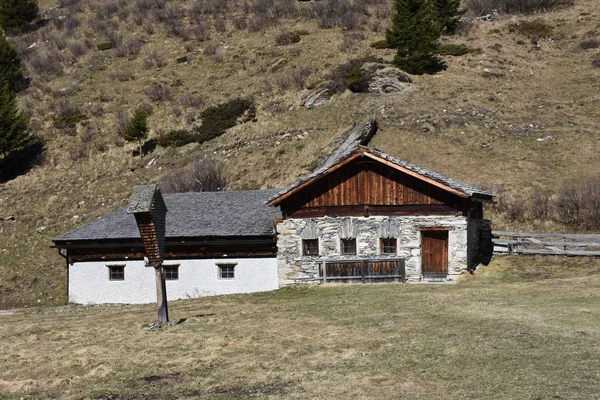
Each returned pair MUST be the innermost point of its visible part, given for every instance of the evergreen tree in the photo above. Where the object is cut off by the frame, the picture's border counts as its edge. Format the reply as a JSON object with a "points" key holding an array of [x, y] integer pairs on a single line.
{"points": [[16, 14], [137, 128], [10, 65], [414, 34], [448, 14], [14, 133]]}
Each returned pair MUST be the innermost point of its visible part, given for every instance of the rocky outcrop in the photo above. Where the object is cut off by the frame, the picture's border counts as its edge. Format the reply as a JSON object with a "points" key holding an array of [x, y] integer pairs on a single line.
{"points": [[317, 98], [383, 78]]}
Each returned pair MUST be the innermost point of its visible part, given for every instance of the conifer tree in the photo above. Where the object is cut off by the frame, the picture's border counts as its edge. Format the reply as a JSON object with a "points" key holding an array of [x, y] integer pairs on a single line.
{"points": [[448, 14], [414, 34], [137, 128], [14, 133], [16, 14], [10, 65]]}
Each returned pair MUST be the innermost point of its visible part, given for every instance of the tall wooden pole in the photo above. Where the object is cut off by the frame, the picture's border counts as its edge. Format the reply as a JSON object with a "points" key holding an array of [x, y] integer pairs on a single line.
{"points": [[161, 295]]}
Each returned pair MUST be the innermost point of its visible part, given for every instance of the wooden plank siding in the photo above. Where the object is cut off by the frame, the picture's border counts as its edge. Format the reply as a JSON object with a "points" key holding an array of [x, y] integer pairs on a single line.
{"points": [[367, 187]]}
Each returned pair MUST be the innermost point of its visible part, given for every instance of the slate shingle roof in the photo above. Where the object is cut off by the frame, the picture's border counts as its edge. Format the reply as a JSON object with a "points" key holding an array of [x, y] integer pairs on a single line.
{"points": [[204, 214], [142, 198]]}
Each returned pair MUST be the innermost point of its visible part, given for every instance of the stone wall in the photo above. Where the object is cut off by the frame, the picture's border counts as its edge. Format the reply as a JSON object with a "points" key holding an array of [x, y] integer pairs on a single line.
{"points": [[294, 268]]}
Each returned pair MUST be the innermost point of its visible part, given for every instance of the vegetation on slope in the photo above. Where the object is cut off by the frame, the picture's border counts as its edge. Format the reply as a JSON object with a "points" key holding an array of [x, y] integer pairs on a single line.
{"points": [[95, 62]]}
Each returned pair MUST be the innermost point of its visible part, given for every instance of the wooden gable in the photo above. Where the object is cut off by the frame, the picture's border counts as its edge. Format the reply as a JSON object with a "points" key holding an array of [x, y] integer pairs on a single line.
{"points": [[369, 186]]}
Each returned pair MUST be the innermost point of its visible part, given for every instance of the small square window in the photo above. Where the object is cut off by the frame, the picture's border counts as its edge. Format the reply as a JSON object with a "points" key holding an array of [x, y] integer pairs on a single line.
{"points": [[116, 272], [388, 245], [226, 271], [310, 247], [348, 246], [171, 272]]}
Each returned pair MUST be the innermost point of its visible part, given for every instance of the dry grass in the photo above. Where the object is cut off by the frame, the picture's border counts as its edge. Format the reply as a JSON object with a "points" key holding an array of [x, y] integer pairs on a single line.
{"points": [[494, 336], [463, 122]]}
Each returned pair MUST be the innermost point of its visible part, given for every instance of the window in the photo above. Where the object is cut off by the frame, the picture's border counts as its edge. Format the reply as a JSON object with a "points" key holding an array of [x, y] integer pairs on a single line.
{"points": [[388, 246], [226, 271], [171, 272], [310, 247], [116, 272], [348, 246]]}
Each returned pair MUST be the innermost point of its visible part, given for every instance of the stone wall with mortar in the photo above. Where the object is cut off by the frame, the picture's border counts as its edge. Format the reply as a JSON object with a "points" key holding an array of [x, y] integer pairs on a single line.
{"points": [[295, 268]]}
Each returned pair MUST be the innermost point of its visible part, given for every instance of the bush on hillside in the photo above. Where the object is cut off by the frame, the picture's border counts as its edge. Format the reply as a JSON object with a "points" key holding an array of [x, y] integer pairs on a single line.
{"points": [[15, 15], [482, 7], [204, 174], [176, 138], [452, 49], [216, 120]]}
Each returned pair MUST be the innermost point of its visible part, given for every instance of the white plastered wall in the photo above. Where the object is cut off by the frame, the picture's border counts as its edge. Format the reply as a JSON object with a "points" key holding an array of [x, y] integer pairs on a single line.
{"points": [[89, 281]]}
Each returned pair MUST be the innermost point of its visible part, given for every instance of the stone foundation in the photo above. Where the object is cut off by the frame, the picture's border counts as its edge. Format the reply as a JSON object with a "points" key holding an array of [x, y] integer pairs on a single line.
{"points": [[295, 268]]}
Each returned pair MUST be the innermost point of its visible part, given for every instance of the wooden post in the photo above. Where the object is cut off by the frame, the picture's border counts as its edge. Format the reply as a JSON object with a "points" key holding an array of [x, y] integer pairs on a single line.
{"points": [[564, 241], [324, 272], [161, 295]]}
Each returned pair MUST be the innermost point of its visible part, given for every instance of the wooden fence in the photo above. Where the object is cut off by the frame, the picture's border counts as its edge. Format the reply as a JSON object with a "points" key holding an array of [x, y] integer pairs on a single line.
{"points": [[363, 270], [546, 243]]}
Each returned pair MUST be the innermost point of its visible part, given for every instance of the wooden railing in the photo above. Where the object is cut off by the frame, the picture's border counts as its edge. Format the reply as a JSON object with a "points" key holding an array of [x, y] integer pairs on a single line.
{"points": [[363, 270], [546, 243]]}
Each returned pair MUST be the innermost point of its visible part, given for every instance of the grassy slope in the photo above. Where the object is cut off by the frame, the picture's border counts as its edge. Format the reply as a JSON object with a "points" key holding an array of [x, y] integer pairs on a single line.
{"points": [[477, 129], [522, 328]]}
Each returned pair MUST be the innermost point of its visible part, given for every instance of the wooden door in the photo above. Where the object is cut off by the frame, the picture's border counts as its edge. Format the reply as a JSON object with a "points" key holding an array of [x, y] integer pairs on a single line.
{"points": [[434, 254]]}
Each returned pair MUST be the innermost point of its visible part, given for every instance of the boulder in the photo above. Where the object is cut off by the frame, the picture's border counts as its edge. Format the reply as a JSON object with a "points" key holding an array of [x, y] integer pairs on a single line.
{"points": [[384, 78], [317, 98]]}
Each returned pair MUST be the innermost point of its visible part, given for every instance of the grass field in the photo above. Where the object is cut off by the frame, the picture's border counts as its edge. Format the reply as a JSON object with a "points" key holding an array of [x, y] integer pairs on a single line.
{"points": [[522, 328]]}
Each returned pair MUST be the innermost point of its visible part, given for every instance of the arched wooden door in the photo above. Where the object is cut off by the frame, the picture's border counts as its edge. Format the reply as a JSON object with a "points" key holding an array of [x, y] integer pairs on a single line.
{"points": [[434, 254]]}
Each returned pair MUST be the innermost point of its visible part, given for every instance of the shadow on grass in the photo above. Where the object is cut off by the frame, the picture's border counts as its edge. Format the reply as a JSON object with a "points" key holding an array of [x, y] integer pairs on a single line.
{"points": [[22, 161]]}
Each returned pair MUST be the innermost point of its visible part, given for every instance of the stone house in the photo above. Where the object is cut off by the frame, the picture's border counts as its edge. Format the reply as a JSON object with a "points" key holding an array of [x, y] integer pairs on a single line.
{"points": [[363, 216], [402, 221]]}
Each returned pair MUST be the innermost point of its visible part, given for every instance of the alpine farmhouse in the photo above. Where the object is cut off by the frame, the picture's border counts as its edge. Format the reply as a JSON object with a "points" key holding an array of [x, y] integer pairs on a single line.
{"points": [[362, 216]]}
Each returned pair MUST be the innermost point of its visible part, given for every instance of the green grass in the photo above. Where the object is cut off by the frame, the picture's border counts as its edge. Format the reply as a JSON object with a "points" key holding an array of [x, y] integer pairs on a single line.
{"points": [[493, 336]]}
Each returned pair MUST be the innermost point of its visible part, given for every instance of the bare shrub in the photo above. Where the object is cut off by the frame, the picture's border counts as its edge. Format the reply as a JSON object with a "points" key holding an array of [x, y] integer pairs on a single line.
{"points": [[350, 41], [149, 28], [77, 49], [121, 121], [204, 174], [122, 76], [285, 38], [154, 60], [211, 49], [189, 100], [589, 43], [48, 65], [258, 23], [201, 31], [130, 48], [220, 24], [67, 114], [579, 205], [539, 204], [71, 22], [482, 7], [158, 92], [375, 26], [240, 23]]}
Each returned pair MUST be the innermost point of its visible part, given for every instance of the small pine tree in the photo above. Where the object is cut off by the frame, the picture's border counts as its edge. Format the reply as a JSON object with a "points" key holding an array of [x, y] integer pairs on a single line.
{"points": [[10, 65], [16, 14], [414, 34], [137, 128], [448, 14], [14, 134]]}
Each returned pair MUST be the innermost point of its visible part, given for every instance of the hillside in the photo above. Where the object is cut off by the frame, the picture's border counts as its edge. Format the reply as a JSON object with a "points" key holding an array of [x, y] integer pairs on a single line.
{"points": [[479, 121]]}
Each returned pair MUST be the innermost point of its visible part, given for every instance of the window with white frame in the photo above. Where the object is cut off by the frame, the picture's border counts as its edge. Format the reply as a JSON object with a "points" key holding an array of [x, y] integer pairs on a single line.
{"points": [[388, 245]]}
